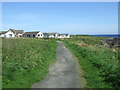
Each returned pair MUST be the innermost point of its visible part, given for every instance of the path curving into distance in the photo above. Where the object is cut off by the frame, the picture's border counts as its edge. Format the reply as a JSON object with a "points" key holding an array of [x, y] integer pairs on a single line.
{"points": [[63, 73]]}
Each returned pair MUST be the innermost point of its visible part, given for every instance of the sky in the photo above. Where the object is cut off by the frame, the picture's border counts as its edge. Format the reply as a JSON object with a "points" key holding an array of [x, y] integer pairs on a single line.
{"points": [[61, 17]]}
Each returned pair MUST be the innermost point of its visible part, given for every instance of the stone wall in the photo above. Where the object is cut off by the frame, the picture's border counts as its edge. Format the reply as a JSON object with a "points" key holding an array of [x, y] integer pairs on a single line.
{"points": [[111, 42]]}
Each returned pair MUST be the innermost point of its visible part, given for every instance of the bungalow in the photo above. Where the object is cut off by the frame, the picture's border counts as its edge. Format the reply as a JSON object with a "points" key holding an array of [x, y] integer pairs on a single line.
{"points": [[50, 35], [7, 34], [53, 35], [11, 33], [33, 34], [45, 35], [63, 36], [18, 33]]}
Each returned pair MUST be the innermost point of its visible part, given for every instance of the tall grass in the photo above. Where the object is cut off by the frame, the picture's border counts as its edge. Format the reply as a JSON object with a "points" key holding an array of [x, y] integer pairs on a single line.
{"points": [[26, 61], [99, 63]]}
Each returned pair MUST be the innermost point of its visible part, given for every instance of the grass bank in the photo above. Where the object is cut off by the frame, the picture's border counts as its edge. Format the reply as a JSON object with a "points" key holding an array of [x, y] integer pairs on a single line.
{"points": [[26, 61], [100, 64]]}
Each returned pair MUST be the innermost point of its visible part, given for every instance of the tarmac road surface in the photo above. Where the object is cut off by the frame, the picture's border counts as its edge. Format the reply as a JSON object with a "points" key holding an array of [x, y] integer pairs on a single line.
{"points": [[63, 73]]}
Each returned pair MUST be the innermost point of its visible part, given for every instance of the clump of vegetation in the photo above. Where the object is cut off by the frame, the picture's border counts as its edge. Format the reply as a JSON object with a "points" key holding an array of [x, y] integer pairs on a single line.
{"points": [[90, 40], [99, 63], [26, 61]]}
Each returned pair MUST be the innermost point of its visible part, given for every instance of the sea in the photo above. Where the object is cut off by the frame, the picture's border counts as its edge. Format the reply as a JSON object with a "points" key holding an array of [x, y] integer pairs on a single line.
{"points": [[108, 35]]}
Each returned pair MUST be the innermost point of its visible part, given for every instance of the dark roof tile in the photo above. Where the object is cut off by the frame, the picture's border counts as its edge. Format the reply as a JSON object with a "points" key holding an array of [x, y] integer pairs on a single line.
{"points": [[30, 33]]}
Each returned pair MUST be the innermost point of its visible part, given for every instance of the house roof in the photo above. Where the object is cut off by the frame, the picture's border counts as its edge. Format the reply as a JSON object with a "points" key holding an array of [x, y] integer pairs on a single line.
{"points": [[49, 33], [45, 33], [63, 34], [52, 33], [31, 33], [17, 31]]}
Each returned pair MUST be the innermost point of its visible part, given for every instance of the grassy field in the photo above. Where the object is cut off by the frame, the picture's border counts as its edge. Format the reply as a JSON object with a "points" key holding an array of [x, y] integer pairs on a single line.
{"points": [[26, 61], [100, 64]]}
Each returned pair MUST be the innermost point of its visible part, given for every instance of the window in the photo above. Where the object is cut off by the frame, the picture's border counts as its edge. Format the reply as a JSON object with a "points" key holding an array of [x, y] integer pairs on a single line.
{"points": [[33, 35], [41, 34], [10, 35], [38, 34]]}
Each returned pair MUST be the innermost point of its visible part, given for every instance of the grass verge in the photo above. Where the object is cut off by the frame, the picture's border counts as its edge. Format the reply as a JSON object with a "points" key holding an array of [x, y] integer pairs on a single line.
{"points": [[99, 64], [26, 61]]}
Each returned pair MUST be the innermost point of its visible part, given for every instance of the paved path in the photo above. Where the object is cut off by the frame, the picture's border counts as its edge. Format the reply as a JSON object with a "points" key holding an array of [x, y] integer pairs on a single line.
{"points": [[63, 73]]}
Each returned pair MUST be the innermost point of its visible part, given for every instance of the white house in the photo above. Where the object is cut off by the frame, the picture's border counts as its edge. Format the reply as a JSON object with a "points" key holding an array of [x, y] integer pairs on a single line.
{"points": [[53, 35], [45, 35], [36, 34], [63, 36], [18, 33], [11, 33], [7, 34], [39, 35]]}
